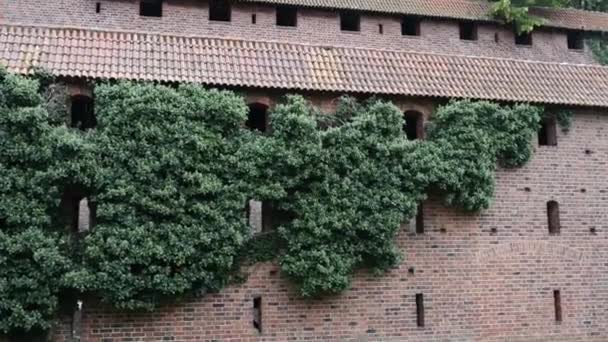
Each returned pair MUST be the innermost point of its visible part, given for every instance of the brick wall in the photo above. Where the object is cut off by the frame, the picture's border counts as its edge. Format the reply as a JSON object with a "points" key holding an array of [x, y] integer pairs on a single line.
{"points": [[485, 277], [314, 27]]}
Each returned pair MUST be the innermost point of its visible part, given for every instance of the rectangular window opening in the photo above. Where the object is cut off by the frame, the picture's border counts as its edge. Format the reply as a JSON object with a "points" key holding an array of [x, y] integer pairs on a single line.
{"points": [[287, 16], [557, 300], [420, 310], [576, 40], [257, 313], [273, 217], [220, 10], [523, 38], [254, 19], [553, 217], [350, 21], [151, 8], [414, 125], [547, 134], [98, 7], [410, 26], [468, 30], [380, 29]]}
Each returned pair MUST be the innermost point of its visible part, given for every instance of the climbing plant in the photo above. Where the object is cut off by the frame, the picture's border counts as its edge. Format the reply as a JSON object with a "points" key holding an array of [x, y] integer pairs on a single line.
{"points": [[172, 168], [516, 12]]}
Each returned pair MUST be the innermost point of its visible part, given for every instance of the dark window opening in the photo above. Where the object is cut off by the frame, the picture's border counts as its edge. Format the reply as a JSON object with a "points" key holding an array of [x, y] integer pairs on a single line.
{"points": [[79, 211], [576, 40], [413, 125], [523, 38], [273, 217], [468, 30], [557, 299], [98, 7], [420, 310], [380, 29], [83, 112], [257, 119], [257, 313], [254, 19], [420, 220], [151, 8], [547, 134], [287, 16], [350, 21], [553, 217], [219, 10], [410, 26]]}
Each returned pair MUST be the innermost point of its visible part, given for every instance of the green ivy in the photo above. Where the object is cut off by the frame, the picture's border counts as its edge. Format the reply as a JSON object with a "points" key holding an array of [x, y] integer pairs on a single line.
{"points": [[171, 169], [516, 12]]}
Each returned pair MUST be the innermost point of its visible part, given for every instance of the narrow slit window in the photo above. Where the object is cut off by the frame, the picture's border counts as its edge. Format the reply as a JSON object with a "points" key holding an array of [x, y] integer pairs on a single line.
{"points": [[380, 28], [257, 119], [151, 8], [287, 16], [83, 113], [468, 30], [420, 310], [414, 127], [547, 134], [350, 21], [220, 10], [420, 220], [257, 313], [523, 38], [410, 26], [557, 301], [98, 7], [553, 217], [254, 19], [576, 40]]}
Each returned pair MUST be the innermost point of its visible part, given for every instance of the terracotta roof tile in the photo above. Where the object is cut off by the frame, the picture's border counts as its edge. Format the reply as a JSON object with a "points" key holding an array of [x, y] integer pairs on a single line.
{"points": [[456, 9], [226, 62]]}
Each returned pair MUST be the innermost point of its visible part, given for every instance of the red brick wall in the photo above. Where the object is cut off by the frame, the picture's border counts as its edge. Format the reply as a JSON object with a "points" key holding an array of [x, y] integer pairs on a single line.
{"points": [[314, 27], [485, 277]]}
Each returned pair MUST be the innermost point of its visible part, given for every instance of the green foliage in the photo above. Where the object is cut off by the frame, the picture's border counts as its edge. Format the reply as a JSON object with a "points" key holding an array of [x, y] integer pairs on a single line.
{"points": [[170, 206], [564, 119], [171, 170], [517, 12], [33, 255]]}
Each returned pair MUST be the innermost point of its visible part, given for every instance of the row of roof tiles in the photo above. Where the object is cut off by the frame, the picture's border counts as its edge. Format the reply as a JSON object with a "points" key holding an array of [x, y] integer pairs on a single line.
{"points": [[227, 62], [456, 9]]}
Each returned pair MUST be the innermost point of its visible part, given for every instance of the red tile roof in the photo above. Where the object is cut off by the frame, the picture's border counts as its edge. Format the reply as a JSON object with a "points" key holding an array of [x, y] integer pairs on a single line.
{"points": [[456, 9], [229, 62]]}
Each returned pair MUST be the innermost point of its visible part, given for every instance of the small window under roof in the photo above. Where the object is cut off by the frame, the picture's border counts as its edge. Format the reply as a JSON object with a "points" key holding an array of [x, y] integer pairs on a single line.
{"points": [[468, 30], [410, 26], [350, 21], [151, 8], [220, 10], [523, 38], [287, 16], [576, 40]]}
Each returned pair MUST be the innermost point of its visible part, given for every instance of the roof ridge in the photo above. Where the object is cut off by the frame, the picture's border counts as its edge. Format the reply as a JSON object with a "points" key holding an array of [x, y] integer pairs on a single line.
{"points": [[236, 39]]}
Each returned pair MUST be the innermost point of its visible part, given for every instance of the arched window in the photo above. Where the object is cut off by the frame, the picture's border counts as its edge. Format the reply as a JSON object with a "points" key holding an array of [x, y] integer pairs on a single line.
{"points": [[258, 117], [413, 125], [83, 112]]}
